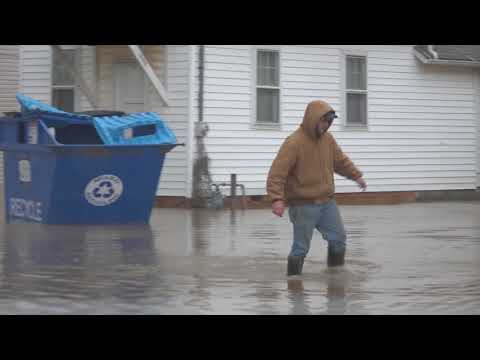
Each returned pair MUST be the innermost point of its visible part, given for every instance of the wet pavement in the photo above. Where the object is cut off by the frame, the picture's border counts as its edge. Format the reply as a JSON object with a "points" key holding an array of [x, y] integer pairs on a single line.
{"points": [[421, 258]]}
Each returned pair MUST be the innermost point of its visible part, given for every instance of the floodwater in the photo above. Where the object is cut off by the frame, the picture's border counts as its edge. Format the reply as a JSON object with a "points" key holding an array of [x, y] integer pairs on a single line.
{"points": [[421, 258]]}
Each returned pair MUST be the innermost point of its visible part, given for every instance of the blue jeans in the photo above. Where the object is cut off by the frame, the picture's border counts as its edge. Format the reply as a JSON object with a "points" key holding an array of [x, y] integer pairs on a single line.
{"points": [[323, 217]]}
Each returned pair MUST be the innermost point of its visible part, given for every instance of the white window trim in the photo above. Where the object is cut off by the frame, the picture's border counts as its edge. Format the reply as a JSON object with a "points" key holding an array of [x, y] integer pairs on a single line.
{"points": [[74, 86], [344, 90], [253, 119]]}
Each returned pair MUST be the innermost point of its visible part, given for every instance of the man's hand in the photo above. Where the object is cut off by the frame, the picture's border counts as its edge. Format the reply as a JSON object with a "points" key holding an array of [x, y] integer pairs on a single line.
{"points": [[361, 183], [278, 207]]}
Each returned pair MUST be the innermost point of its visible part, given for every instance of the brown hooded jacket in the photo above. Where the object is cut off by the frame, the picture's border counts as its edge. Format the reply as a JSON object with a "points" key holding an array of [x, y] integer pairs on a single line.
{"points": [[303, 169]]}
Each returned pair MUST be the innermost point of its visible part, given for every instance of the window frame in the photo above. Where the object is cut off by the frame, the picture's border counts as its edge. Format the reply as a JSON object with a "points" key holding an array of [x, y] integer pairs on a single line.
{"points": [[254, 54], [345, 91], [73, 87]]}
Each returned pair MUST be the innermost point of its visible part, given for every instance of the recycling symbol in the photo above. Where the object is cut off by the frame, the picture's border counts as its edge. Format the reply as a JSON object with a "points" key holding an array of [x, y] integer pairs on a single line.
{"points": [[103, 190]]}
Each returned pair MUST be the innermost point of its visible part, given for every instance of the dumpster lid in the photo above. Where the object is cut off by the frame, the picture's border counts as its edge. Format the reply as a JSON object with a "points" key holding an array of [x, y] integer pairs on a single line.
{"points": [[112, 130], [29, 104], [113, 127]]}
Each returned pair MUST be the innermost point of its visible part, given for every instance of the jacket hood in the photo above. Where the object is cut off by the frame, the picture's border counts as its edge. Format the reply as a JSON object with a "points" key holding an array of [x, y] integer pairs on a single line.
{"points": [[313, 113]]}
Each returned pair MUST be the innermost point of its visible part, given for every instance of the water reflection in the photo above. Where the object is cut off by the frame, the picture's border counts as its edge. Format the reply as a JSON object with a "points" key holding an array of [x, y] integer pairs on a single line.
{"points": [[201, 222], [77, 262], [234, 262], [297, 297], [31, 250], [337, 283], [325, 293]]}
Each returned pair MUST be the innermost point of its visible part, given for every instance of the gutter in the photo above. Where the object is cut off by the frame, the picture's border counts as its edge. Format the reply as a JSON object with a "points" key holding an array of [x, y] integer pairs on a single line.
{"points": [[436, 61], [432, 51]]}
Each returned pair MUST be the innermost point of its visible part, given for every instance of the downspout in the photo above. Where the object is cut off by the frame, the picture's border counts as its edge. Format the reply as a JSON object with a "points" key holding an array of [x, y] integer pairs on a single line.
{"points": [[202, 181], [432, 51], [201, 68]]}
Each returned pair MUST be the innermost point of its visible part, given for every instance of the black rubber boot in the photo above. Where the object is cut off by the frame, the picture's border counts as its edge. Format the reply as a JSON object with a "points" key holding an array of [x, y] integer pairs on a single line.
{"points": [[295, 265], [336, 258]]}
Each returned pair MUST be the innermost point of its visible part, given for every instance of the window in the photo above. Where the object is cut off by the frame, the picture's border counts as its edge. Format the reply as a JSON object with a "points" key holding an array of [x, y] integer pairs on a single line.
{"points": [[63, 83], [356, 90], [268, 87]]}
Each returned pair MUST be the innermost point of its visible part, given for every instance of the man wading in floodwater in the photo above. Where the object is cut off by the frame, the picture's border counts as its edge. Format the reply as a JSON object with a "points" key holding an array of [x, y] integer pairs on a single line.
{"points": [[302, 176]]}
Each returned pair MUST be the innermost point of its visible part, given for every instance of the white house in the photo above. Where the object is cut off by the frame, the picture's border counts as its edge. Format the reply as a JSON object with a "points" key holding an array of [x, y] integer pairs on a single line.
{"points": [[408, 115]]}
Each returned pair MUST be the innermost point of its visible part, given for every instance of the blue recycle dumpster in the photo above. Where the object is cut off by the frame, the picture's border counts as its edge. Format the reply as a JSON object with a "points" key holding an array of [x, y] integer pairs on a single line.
{"points": [[73, 177]]}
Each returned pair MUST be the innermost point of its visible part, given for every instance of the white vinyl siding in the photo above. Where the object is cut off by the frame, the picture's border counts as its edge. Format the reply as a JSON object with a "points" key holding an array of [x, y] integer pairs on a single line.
{"points": [[174, 180], [422, 119], [9, 85], [36, 72], [9, 77], [478, 127]]}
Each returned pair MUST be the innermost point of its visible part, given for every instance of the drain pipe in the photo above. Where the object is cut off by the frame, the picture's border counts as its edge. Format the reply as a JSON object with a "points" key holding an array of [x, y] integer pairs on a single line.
{"points": [[201, 69], [201, 128], [201, 174]]}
